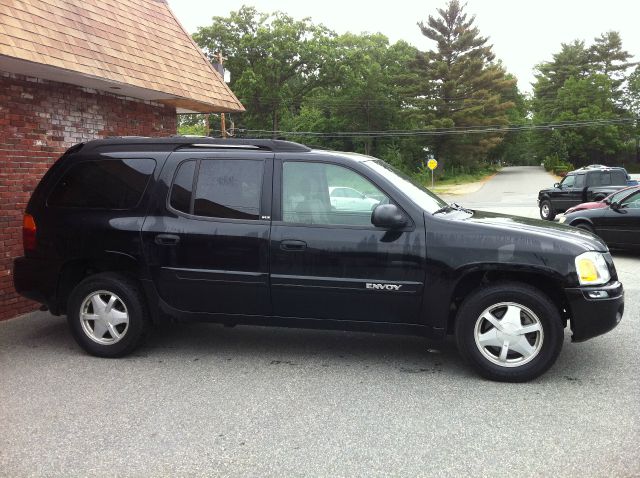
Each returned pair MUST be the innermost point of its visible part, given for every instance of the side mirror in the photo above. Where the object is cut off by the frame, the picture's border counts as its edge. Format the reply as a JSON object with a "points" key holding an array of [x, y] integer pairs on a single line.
{"points": [[557, 185], [388, 216]]}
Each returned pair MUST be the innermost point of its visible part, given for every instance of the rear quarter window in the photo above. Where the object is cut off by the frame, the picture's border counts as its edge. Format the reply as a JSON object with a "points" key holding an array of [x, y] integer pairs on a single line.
{"points": [[103, 184], [618, 178]]}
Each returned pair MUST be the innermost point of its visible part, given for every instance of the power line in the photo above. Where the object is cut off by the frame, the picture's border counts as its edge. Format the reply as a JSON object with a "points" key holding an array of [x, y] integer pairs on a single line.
{"points": [[443, 131]]}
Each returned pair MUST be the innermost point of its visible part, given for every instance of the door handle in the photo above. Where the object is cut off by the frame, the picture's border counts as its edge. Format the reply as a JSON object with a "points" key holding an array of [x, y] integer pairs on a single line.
{"points": [[293, 245], [167, 239]]}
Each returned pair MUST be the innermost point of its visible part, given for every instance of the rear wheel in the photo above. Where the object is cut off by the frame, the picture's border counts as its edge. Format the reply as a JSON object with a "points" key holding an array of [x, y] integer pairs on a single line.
{"points": [[107, 315], [509, 332], [546, 210]]}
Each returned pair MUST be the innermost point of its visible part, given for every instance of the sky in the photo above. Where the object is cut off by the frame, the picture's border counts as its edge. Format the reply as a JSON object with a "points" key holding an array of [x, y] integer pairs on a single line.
{"points": [[523, 33]]}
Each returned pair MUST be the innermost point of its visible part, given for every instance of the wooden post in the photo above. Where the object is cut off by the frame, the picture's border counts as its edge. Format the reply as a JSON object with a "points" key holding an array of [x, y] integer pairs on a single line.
{"points": [[223, 128]]}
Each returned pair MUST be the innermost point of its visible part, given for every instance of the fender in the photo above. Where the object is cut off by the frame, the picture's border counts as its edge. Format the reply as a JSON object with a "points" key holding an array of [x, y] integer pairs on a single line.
{"points": [[451, 289]]}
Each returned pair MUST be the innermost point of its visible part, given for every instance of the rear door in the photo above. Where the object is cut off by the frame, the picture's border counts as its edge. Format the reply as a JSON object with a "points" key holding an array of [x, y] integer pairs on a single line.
{"points": [[206, 238], [331, 263]]}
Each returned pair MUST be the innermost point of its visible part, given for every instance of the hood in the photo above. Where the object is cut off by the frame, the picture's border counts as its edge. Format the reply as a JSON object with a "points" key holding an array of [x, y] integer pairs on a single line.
{"points": [[548, 229], [586, 205]]}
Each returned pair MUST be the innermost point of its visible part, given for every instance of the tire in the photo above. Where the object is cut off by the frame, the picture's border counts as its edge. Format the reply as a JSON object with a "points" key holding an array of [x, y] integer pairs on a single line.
{"points": [[585, 227], [546, 211], [118, 329], [481, 343]]}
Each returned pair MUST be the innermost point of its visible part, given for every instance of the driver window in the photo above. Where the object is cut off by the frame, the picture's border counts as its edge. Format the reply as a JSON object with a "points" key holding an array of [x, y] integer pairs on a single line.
{"points": [[321, 193], [568, 181], [632, 202]]}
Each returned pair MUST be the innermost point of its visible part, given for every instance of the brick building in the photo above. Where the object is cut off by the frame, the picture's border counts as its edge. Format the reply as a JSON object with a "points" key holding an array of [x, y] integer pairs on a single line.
{"points": [[76, 70]]}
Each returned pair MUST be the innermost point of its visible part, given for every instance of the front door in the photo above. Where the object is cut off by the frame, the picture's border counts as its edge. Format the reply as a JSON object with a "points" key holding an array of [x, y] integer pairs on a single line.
{"points": [[330, 262], [571, 192], [206, 240], [621, 225]]}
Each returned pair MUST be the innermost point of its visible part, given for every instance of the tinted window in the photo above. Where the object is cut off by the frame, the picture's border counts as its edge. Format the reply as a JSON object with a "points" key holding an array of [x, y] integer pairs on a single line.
{"points": [[605, 179], [103, 184], [579, 181], [618, 177], [306, 198], [182, 186], [228, 189]]}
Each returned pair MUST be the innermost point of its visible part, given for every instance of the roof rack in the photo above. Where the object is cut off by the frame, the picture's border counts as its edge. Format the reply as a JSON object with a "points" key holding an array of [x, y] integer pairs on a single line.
{"points": [[173, 143], [275, 145]]}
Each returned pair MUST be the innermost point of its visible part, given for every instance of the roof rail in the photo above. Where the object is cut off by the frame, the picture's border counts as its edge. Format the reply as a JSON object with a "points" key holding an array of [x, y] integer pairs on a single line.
{"points": [[274, 145], [173, 143]]}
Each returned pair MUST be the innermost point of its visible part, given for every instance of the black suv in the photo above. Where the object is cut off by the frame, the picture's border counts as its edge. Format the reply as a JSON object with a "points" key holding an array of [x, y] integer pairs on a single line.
{"points": [[123, 233], [579, 186]]}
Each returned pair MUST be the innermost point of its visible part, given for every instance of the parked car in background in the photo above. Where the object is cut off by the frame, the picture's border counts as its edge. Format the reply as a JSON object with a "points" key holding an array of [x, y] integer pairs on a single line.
{"points": [[617, 223], [604, 202], [580, 186], [348, 199]]}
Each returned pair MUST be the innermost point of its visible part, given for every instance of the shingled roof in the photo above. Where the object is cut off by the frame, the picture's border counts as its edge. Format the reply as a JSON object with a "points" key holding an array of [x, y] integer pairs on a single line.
{"points": [[133, 48]]}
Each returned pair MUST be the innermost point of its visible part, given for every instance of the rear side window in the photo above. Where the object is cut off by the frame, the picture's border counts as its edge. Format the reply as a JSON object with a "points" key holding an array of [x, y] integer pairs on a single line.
{"points": [[103, 184], [618, 177], [182, 188], [228, 189]]}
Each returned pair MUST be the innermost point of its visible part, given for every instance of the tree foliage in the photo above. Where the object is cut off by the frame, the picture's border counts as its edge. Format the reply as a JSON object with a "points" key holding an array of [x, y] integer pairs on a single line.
{"points": [[302, 81], [274, 59], [588, 85], [460, 84]]}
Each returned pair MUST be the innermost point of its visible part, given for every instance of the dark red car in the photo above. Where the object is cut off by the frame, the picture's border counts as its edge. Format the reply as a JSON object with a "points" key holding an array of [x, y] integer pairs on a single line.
{"points": [[614, 197]]}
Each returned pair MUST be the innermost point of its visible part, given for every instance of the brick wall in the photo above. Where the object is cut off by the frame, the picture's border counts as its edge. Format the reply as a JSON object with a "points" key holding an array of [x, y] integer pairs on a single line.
{"points": [[38, 120]]}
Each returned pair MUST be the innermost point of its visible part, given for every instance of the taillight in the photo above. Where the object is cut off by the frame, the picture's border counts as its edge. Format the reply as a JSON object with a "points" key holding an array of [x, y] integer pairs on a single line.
{"points": [[28, 233]]}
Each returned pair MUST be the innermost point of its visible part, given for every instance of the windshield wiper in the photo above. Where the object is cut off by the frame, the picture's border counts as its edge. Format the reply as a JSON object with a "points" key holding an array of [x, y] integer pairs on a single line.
{"points": [[453, 206]]}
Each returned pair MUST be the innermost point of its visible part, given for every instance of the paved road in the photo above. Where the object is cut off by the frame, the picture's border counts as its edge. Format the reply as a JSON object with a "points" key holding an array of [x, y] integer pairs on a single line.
{"points": [[202, 400], [513, 190]]}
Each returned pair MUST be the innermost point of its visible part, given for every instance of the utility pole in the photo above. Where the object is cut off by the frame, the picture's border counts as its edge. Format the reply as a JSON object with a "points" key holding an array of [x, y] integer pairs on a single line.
{"points": [[223, 128]]}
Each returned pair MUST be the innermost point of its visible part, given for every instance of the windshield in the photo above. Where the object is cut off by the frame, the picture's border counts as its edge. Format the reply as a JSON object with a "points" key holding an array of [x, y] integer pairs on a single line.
{"points": [[617, 197], [414, 190]]}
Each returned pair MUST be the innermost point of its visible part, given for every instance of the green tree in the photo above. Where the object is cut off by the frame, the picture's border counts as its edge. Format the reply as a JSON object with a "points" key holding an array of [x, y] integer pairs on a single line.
{"points": [[632, 104], [516, 146], [572, 61], [608, 58], [584, 84], [459, 84], [274, 60], [362, 95]]}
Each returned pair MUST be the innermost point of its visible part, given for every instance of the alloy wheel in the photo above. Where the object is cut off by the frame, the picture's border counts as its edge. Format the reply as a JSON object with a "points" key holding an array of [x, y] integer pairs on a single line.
{"points": [[509, 334], [104, 317]]}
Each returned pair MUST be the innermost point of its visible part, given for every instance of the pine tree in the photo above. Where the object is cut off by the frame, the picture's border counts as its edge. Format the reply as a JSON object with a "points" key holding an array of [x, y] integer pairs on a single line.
{"points": [[460, 85]]}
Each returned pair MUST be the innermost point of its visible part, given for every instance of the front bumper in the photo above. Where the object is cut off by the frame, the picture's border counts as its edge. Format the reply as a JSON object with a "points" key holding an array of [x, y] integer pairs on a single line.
{"points": [[595, 310]]}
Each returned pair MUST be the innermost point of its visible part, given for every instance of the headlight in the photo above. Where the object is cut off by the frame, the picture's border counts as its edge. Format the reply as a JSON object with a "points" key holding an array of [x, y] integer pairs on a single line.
{"points": [[592, 269], [561, 219]]}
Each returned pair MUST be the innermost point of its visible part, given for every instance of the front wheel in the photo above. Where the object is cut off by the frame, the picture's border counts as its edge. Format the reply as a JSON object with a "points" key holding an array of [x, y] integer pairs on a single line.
{"points": [[107, 315], [509, 332], [586, 227], [546, 211]]}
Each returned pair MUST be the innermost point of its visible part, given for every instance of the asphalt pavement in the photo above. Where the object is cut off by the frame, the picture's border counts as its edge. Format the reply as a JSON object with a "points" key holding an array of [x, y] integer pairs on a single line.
{"points": [[204, 400]]}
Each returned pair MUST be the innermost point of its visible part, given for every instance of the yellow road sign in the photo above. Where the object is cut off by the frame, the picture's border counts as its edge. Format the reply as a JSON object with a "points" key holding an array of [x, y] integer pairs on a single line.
{"points": [[432, 164]]}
